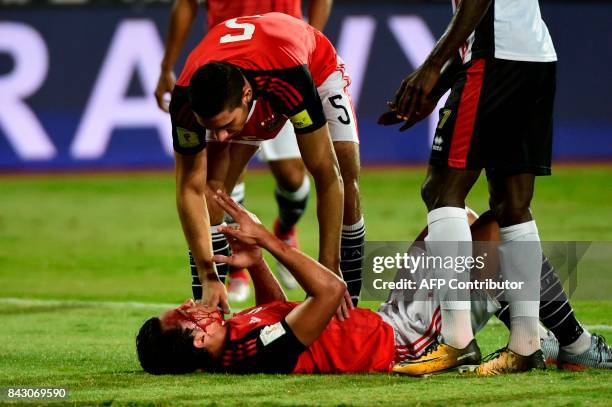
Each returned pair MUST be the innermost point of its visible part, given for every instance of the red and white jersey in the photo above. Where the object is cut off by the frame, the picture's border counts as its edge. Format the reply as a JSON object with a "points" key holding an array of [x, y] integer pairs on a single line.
{"points": [[283, 58], [217, 11], [259, 340]]}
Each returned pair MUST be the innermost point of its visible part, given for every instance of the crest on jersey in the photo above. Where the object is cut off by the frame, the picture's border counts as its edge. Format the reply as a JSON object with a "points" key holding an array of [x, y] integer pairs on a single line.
{"points": [[301, 120], [186, 138]]}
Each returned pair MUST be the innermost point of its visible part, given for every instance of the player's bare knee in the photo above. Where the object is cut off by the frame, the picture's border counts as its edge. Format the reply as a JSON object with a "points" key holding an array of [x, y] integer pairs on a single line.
{"points": [[511, 213], [429, 193], [289, 174]]}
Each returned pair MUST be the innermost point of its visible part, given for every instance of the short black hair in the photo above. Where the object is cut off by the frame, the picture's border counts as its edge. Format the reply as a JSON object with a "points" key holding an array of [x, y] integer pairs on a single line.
{"points": [[168, 351], [215, 87]]}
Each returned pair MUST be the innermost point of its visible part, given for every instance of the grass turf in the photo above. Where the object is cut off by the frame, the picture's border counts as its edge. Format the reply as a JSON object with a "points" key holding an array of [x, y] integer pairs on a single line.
{"points": [[96, 239]]}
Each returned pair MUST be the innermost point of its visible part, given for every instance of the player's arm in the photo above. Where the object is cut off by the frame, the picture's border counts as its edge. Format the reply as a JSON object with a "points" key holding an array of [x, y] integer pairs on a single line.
{"points": [[415, 89], [317, 150], [318, 13], [447, 78], [193, 212], [267, 287], [325, 290], [249, 256], [181, 18], [189, 142], [319, 158]]}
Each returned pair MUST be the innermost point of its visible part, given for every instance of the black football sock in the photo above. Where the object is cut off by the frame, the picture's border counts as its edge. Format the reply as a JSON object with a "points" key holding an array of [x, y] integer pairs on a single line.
{"points": [[291, 205], [556, 312], [196, 285], [351, 257], [220, 246]]}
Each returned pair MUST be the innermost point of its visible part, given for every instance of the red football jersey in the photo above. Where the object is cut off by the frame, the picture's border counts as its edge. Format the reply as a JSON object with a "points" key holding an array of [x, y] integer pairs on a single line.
{"points": [[218, 11], [265, 42], [363, 343], [283, 58]]}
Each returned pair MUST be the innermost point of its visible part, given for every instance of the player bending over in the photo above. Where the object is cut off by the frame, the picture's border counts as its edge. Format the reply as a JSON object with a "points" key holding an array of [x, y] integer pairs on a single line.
{"points": [[277, 336], [241, 85], [281, 153]]}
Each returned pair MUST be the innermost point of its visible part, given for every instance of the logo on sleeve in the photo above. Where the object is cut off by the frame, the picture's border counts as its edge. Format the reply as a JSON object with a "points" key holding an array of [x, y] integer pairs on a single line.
{"points": [[186, 138], [301, 120], [271, 333]]}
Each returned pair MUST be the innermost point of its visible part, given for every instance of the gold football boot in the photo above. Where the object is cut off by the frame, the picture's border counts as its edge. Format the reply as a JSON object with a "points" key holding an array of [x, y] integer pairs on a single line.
{"points": [[439, 358], [506, 361]]}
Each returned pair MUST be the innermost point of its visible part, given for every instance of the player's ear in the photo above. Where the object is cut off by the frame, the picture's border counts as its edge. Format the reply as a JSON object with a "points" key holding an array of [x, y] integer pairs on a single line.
{"points": [[247, 92], [198, 339]]}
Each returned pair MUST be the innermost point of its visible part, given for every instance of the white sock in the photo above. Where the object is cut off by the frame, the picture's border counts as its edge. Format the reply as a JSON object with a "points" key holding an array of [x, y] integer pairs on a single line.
{"points": [[450, 224], [453, 330], [238, 192], [580, 345], [521, 261], [524, 330]]}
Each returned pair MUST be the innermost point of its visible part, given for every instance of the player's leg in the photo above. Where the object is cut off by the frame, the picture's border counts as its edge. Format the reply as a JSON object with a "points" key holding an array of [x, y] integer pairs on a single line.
{"points": [[292, 190], [520, 257], [342, 124], [444, 192], [571, 346], [353, 226], [455, 164], [415, 317]]}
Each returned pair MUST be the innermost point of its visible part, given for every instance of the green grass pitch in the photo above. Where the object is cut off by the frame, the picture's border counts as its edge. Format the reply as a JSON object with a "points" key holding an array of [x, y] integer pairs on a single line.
{"points": [[84, 260]]}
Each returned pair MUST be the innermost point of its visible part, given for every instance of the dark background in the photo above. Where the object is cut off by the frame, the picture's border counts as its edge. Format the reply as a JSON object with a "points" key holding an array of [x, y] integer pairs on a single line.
{"points": [[79, 38]]}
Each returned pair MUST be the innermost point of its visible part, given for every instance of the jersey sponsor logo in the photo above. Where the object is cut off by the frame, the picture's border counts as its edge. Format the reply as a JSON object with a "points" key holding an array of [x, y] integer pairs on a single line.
{"points": [[271, 333], [301, 120], [186, 138]]}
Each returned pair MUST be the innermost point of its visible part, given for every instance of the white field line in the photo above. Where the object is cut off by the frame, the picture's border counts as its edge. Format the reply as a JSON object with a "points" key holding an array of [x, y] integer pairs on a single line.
{"points": [[29, 302]]}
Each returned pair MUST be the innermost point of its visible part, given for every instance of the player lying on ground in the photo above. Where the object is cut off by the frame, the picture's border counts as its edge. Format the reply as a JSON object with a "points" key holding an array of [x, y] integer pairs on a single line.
{"points": [[277, 336], [245, 80]]}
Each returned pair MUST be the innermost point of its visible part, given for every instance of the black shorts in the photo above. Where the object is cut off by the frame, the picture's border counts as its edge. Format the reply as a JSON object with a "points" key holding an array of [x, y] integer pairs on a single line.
{"points": [[498, 116]]}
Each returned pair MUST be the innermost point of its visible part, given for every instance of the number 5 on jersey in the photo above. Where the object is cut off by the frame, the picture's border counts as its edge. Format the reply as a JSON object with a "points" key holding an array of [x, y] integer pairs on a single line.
{"points": [[248, 30]]}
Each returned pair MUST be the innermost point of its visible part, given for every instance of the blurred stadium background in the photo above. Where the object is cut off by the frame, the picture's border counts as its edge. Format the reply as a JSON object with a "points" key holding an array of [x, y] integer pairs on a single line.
{"points": [[77, 79], [90, 243]]}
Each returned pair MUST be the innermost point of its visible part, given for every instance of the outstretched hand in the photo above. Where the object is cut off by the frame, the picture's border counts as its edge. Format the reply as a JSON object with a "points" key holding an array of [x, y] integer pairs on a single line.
{"points": [[243, 255], [249, 231], [391, 117], [412, 100]]}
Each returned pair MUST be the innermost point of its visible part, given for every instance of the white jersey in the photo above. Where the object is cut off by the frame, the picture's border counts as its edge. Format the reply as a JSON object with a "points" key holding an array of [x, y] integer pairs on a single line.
{"points": [[416, 318], [512, 30]]}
